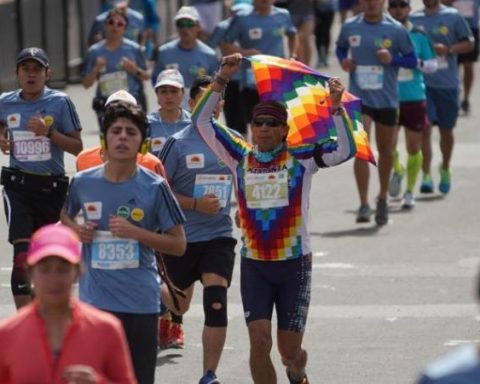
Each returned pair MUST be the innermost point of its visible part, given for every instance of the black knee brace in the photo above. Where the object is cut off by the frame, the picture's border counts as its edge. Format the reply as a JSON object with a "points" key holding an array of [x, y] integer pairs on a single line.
{"points": [[19, 280], [212, 297]]}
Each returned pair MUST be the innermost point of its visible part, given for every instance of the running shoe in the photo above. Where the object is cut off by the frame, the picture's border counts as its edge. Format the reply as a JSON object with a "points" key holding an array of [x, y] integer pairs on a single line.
{"points": [[445, 181], [381, 214], [427, 184], [465, 106], [364, 213], [408, 201], [396, 183], [176, 337], [209, 378], [164, 326], [304, 380]]}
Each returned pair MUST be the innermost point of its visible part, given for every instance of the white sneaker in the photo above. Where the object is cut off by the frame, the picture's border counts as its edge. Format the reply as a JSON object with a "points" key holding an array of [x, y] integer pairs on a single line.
{"points": [[408, 201], [396, 183]]}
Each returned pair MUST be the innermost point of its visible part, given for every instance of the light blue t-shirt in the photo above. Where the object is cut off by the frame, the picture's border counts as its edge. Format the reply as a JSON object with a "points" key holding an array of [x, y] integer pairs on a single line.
{"points": [[161, 130], [121, 275], [193, 170], [460, 366], [133, 31], [376, 84], [31, 153], [217, 36], [114, 77], [411, 84], [218, 33], [192, 63], [446, 27], [469, 10], [264, 33], [468, 376]]}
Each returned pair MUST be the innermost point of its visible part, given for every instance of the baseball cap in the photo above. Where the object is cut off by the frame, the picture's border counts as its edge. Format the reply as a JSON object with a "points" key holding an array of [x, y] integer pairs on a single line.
{"points": [[121, 95], [170, 77], [33, 53], [54, 240], [187, 12]]}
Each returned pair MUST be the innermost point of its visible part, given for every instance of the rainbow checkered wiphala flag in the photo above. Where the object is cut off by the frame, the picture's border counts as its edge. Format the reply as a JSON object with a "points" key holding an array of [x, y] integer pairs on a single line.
{"points": [[305, 93]]}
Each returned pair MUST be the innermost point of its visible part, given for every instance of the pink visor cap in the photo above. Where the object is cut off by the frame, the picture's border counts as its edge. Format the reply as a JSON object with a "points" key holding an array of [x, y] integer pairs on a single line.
{"points": [[54, 240]]}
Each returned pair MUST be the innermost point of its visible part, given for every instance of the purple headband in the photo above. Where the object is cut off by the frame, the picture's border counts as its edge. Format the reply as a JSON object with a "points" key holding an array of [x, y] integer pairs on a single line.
{"points": [[271, 108]]}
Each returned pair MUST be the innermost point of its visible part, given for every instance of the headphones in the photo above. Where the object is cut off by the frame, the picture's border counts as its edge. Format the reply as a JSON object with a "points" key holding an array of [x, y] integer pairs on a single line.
{"points": [[144, 147]]}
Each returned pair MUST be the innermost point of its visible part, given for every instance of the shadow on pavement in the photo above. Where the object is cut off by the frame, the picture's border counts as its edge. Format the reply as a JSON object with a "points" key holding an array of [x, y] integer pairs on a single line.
{"points": [[361, 231], [169, 358]]}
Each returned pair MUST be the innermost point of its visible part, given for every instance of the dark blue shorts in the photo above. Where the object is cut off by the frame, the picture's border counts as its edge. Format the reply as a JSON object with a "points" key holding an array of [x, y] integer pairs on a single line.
{"points": [[442, 107], [283, 284]]}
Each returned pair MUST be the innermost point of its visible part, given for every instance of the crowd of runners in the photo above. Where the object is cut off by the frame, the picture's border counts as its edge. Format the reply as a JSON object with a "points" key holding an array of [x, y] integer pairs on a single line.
{"points": [[151, 204]]}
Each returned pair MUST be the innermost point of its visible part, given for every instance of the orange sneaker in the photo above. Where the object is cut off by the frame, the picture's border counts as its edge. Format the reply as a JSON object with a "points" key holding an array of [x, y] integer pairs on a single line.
{"points": [[176, 337], [164, 330]]}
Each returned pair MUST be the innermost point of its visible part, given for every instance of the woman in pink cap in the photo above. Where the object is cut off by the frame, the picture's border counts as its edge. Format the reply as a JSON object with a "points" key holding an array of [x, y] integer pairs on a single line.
{"points": [[56, 338]]}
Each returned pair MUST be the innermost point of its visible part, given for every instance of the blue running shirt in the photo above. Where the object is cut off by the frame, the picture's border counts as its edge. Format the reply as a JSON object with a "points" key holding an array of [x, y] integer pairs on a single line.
{"points": [[114, 77], [376, 84], [31, 153], [161, 130], [121, 274], [446, 27], [264, 33], [194, 170], [192, 63]]}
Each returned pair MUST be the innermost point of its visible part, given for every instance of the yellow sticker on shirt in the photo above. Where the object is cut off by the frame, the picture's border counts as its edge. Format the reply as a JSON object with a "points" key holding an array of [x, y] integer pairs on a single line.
{"points": [[137, 214], [48, 120]]}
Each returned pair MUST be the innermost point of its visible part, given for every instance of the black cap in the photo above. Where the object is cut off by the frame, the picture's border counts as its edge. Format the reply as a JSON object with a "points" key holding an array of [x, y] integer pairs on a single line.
{"points": [[33, 53]]}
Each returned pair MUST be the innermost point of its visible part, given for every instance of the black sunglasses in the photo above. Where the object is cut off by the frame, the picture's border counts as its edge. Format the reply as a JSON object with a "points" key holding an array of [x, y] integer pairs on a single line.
{"points": [[269, 122], [185, 23], [398, 4]]}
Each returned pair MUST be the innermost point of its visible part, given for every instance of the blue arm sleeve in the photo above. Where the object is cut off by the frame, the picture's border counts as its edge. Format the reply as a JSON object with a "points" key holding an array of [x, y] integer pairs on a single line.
{"points": [[407, 61], [341, 53]]}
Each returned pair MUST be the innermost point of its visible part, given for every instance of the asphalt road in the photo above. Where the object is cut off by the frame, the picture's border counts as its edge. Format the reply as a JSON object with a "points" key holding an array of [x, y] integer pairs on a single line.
{"points": [[385, 301]]}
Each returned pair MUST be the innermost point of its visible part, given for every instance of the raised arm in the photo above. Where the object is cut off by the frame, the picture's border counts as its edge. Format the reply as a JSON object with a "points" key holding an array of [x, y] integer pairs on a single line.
{"points": [[346, 148], [227, 145]]}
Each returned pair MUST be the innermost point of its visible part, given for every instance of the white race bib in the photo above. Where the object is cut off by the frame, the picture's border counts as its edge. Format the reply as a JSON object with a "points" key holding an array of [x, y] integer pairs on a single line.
{"points": [[267, 190], [405, 74], [369, 77], [113, 82], [29, 147], [220, 185], [110, 252], [442, 62]]}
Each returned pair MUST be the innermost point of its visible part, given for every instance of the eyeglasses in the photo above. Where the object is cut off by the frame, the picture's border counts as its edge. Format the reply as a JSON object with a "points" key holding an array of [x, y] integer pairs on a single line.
{"points": [[185, 23], [119, 24], [398, 4], [269, 122]]}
